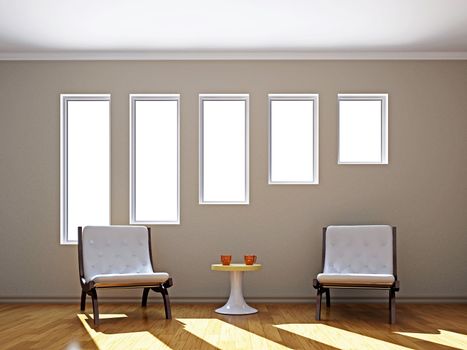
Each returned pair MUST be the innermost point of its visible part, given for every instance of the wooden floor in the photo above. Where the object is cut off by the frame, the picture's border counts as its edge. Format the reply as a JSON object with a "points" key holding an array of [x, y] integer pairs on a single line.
{"points": [[276, 326]]}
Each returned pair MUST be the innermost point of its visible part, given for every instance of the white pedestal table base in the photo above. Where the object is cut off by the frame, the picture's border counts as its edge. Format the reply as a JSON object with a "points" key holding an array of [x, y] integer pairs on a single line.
{"points": [[236, 304]]}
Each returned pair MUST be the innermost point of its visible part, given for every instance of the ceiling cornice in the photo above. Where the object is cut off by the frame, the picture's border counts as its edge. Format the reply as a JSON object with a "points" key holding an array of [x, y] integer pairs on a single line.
{"points": [[226, 55]]}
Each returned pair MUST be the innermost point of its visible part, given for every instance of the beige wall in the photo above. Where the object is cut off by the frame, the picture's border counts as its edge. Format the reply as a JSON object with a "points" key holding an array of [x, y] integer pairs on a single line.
{"points": [[423, 190]]}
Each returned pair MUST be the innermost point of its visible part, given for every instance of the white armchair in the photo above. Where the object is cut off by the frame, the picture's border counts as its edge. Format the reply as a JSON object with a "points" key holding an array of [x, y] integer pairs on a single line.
{"points": [[361, 256], [118, 256]]}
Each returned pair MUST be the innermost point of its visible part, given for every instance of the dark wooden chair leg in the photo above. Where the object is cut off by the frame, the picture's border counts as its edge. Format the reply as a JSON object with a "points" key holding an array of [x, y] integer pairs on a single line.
{"points": [[83, 300], [165, 296], [144, 301], [392, 306], [319, 294], [389, 304], [328, 297], [95, 307]]}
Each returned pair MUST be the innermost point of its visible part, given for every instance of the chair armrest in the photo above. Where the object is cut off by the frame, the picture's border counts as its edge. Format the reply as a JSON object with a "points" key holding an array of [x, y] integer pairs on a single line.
{"points": [[87, 286], [169, 283]]}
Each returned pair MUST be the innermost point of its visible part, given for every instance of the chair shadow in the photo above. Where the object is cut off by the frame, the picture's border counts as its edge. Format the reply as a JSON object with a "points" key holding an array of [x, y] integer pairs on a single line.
{"points": [[147, 328], [373, 321]]}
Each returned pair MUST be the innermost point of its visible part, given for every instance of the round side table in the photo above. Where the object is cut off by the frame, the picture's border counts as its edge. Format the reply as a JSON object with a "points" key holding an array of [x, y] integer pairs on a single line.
{"points": [[236, 304]]}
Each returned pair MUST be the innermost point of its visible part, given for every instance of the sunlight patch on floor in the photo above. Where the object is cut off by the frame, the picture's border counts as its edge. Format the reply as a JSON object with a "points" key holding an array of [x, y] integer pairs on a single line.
{"points": [[123, 341], [451, 339], [338, 338], [109, 316], [223, 335]]}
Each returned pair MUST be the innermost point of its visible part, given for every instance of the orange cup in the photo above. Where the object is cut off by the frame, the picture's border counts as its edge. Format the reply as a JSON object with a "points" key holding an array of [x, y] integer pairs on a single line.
{"points": [[250, 259], [226, 259]]}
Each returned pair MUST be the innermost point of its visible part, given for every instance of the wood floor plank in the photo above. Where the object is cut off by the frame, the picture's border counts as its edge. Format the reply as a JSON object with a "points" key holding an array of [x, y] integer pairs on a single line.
{"points": [[197, 326]]}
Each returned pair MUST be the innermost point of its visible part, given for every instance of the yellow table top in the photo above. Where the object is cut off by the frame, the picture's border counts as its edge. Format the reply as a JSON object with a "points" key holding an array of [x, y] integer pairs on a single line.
{"points": [[236, 267]]}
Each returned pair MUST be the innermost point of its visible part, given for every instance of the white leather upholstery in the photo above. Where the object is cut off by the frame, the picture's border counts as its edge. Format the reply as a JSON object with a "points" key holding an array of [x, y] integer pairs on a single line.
{"points": [[358, 250], [130, 279], [113, 254], [355, 279]]}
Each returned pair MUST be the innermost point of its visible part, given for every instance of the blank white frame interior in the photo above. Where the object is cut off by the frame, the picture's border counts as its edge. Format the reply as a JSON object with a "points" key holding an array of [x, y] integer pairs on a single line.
{"points": [[293, 139], [363, 129], [84, 163], [155, 159], [224, 149]]}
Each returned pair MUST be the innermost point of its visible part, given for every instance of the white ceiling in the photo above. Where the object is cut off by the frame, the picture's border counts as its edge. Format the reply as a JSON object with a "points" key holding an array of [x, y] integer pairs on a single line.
{"points": [[178, 29]]}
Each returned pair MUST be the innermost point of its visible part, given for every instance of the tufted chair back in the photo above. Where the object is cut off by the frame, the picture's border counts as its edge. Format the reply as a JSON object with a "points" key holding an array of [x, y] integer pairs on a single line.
{"points": [[366, 249], [115, 250]]}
